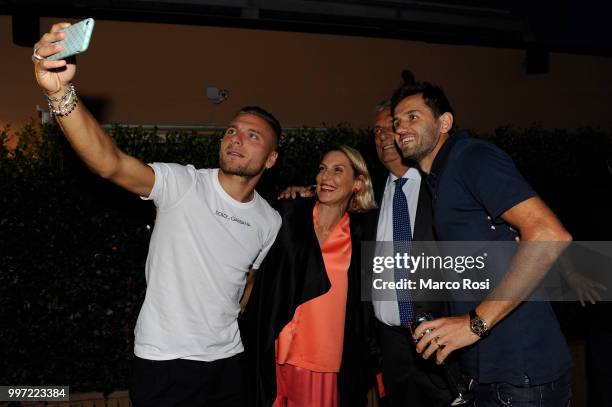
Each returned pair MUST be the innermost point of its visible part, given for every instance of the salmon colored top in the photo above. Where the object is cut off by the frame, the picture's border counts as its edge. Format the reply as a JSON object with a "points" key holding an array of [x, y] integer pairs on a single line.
{"points": [[314, 338]]}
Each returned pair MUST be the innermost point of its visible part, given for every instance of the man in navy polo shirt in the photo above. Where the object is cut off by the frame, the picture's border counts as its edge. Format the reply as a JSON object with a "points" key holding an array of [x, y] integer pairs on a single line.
{"points": [[512, 349]]}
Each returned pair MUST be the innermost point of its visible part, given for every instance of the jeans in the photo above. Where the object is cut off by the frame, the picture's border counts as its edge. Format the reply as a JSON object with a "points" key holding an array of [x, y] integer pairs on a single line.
{"points": [[557, 393]]}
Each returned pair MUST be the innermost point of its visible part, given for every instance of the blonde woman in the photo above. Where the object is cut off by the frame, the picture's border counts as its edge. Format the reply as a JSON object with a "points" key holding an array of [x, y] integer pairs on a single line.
{"points": [[302, 328]]}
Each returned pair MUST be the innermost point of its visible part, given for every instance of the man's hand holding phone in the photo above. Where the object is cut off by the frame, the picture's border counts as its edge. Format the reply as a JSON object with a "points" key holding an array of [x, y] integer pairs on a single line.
{"points": [[53, 77]]}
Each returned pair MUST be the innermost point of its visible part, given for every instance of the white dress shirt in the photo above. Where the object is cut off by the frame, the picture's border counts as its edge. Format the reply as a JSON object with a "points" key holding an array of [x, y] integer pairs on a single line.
{"points": [[388, 311]]}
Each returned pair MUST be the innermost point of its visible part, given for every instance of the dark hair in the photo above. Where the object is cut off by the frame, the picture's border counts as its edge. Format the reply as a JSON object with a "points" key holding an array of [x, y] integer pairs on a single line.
{"points": [[267, 117], [433, 95]]}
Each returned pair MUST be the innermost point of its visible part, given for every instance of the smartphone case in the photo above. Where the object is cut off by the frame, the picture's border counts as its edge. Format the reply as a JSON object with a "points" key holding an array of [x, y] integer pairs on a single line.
{"points": [[76, 41]]}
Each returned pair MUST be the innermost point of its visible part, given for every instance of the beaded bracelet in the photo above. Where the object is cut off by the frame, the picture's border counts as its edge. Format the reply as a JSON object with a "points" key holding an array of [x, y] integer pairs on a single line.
{"points": [[65, 104]]}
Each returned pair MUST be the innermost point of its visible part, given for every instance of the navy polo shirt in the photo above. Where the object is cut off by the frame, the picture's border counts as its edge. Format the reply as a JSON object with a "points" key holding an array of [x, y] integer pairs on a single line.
{"points": [[473, 183]]}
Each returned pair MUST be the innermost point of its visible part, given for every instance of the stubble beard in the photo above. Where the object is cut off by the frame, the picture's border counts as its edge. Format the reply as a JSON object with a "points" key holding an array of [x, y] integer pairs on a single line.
{"points": [[240, 170], [420, 151], [413, 154]]}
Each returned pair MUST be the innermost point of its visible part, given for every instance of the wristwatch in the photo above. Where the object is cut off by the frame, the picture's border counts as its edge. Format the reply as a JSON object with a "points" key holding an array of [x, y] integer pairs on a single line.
{"points": [[478, 325]]}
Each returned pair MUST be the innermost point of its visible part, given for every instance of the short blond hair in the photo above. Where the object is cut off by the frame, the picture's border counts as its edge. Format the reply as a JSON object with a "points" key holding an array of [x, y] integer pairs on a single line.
{"points": [[362, 200]]}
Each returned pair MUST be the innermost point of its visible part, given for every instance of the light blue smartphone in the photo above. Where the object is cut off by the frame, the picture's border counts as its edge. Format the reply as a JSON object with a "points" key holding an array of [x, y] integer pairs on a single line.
{"points": [[76, 40]]}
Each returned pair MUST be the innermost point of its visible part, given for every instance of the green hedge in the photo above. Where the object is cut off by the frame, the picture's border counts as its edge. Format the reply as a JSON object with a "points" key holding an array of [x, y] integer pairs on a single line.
{"points": [[74, 245]]}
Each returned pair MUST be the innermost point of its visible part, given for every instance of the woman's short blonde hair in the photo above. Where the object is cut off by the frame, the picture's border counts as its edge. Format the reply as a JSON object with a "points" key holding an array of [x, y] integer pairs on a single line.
{"points": [[362, 200]]}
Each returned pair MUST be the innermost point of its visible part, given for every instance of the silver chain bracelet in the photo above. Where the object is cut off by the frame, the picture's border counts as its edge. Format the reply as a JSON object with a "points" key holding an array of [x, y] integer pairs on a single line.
{"points": [[65, 104]]}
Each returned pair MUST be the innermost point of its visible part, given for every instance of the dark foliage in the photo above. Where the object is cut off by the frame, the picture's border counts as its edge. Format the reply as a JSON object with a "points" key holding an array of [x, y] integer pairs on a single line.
{"points": [[74, 245]]}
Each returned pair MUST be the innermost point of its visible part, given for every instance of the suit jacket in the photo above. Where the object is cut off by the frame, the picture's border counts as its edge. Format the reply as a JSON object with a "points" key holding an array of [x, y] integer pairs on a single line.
{"points": [[292, 273], [427, 387], [423, 225]]}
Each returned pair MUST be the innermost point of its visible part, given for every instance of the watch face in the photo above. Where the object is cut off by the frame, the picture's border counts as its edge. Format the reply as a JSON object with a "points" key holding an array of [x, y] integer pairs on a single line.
{"points": [[478, 326]]}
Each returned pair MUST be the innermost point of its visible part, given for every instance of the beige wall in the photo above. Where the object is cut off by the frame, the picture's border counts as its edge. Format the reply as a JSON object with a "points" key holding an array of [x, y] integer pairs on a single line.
{"points": [[157, 74]]}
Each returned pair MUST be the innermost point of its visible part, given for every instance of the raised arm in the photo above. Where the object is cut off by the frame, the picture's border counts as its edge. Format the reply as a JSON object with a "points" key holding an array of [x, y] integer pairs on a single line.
{"points": [[84, 133]]}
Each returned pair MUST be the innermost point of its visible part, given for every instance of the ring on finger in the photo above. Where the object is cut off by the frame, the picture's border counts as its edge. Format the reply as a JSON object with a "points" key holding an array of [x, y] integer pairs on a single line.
{"points": [[35, 56], [425, 332]]}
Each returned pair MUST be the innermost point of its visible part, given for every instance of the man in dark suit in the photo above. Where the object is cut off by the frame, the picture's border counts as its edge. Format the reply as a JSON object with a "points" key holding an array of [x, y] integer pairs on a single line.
{"points": [[407, 380]]}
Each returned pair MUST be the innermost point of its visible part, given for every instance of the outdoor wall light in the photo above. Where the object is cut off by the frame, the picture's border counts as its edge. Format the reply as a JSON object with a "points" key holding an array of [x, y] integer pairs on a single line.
{"points": [[216, 95]]}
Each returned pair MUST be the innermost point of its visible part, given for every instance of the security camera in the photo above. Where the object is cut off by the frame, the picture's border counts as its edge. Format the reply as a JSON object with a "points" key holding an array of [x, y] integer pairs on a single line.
{"points": [[216, 95]]}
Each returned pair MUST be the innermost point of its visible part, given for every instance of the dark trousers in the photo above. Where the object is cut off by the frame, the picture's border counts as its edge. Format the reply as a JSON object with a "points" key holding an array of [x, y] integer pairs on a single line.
{"points": [[599, 354], [188, 383], [408, 379], [557, 393]]}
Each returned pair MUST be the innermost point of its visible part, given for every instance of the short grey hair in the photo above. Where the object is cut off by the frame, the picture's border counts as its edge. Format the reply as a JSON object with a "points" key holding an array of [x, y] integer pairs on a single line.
{"points": [[382, 105]]}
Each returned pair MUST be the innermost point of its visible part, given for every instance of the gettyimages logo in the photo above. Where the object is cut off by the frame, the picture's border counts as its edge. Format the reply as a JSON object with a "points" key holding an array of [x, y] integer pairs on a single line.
{"points": [[412, 264], [475, 270], [424, 263]]}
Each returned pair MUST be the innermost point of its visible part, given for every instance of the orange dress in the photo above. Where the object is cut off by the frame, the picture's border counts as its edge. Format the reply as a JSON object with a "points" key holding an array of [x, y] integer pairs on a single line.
{"points": [[314, 338]]}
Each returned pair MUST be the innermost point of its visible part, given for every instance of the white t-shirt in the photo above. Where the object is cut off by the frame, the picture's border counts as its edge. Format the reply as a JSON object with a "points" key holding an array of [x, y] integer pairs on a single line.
{"points": [[203, 243]]}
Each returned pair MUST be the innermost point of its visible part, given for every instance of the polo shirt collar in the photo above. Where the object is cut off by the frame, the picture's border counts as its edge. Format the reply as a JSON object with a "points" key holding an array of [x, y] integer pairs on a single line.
{"points": [[440, 161]]}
